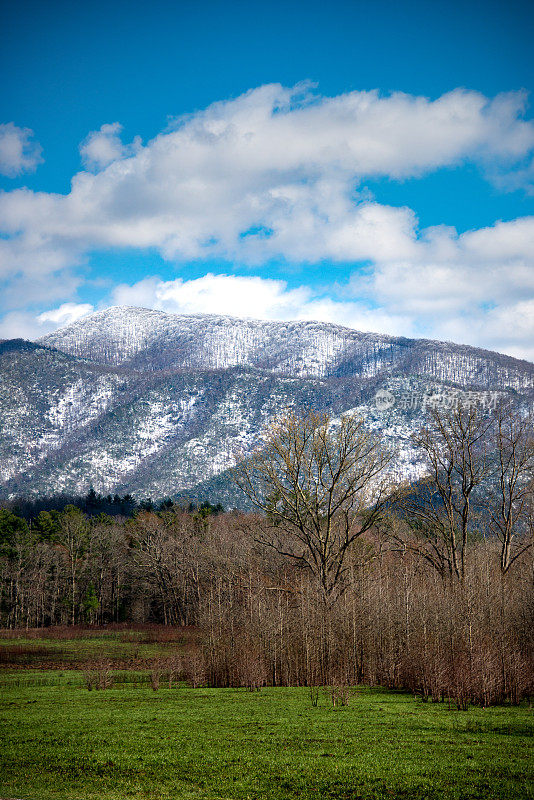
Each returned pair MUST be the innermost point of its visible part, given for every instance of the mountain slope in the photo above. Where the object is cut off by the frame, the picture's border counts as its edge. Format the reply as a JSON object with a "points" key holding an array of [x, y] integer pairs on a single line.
{"points": [[131, 400], [153, 340]]}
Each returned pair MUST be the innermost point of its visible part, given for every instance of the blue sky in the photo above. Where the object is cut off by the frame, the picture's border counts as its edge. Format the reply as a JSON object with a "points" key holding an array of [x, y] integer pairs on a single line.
{"points": [[364, 163]]}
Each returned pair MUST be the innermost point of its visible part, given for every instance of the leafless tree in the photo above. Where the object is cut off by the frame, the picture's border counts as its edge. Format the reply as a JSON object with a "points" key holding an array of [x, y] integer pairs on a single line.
{"points": [[74, 541], [510, 498], [439, 510], [321, 484]]}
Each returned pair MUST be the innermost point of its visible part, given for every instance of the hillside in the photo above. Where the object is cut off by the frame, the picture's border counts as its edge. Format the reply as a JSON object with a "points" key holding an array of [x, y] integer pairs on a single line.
{"points": [[156, 404]]}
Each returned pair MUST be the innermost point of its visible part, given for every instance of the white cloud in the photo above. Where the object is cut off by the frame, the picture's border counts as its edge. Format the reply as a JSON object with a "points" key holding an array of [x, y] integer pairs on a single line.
{"points": [[254, 298], [66, 313], [102, 147], [475, 288], [279, 173], [18, 152], [451, 273], [21, 325], [32, 290], [25, 325], [508, 328], [271, 173], [513, 326]]}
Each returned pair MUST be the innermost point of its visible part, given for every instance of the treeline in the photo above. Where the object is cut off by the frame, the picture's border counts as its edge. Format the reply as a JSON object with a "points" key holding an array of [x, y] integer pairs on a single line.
{"points": [[93, 504], [66, 567], [263, 618]]}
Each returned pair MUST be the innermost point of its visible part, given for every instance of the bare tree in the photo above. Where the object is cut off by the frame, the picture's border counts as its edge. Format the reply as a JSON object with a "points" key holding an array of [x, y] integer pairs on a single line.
{"points": [[158, 546], [322, 486], [439, 510], [74, 541], [510, 501]]}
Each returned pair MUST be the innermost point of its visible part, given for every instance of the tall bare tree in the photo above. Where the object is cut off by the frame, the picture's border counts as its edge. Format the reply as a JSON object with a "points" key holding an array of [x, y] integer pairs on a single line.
{"points": [[73, 539], [321, 483], [510, 500], [440, 510]]}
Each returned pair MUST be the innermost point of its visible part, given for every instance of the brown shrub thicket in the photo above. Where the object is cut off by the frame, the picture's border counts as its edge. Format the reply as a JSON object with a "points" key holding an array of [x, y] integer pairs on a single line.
{"points": [[399, 624]]}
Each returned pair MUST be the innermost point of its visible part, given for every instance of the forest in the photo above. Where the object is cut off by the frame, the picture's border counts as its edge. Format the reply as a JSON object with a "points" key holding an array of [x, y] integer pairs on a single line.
{"points": [[338, 579]]}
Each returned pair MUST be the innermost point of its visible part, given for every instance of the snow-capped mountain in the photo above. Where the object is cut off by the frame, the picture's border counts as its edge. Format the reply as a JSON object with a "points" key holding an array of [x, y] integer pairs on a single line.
{"points": [[159, 404], [154, 340]]}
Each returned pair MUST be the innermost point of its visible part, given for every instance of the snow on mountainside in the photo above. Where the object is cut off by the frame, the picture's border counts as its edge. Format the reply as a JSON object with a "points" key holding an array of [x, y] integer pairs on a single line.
{"points": [[159, 404], [154, 340]]}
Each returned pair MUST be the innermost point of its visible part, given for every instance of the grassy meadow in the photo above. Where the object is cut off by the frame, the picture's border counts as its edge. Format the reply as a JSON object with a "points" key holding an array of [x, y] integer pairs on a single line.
{"points": [[63, 742]]}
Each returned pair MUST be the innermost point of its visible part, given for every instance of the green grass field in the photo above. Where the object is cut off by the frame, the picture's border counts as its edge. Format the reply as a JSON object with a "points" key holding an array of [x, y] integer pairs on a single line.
{"points": [[64, 650], [61, 741]]}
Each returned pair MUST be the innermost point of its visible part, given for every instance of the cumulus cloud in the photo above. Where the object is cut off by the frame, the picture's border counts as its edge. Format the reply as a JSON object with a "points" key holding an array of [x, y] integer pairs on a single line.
{"points": [[18, 150], [25, 325], [272, 173], [233, 295], [280, 173], [448, 273], [102, 147], [253, 297], [66, 313], [38, 289], [473, 288], [511, 328]]}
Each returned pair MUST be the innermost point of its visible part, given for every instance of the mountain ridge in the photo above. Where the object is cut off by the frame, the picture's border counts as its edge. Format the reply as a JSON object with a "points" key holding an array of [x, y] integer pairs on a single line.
{"points": [[189, 393], [144, 339], [255, 321]]}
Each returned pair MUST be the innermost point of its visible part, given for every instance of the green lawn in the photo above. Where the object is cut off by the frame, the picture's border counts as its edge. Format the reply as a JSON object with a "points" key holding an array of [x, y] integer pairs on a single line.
{"points": [[61, 741]]}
